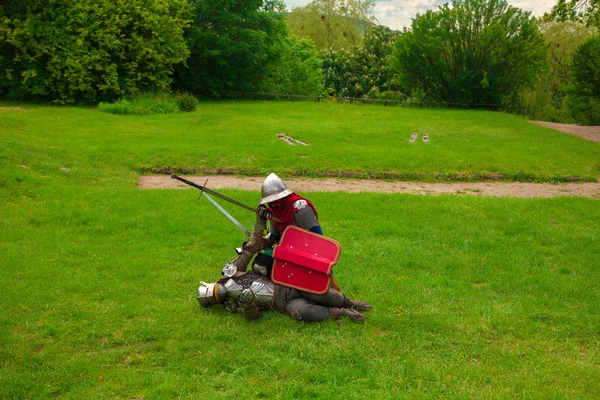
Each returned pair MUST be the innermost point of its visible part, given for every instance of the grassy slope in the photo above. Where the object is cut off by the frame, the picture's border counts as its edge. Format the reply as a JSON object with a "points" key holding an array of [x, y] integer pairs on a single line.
{"points": [[473, 297], [341, 137]]}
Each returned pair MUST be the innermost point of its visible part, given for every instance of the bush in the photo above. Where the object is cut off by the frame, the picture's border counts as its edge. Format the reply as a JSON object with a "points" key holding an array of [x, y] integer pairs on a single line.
{"points": [[186, 102], [585, 96], [389, 95], [585, 109], [86, 50], [475, 51], [147, 103]]}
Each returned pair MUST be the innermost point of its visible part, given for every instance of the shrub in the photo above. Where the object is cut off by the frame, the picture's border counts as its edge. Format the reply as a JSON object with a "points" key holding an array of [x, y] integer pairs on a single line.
{"points": [[144, 104], [585, 97], [585, 109], [186, 102], [475, 51], [86, 50]]}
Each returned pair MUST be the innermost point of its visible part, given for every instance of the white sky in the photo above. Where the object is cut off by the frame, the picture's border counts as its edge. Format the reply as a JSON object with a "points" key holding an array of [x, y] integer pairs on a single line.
{"points": [[397, 14]]}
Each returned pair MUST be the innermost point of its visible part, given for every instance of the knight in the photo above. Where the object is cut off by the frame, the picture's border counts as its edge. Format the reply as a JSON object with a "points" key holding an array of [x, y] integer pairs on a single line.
{"points": [[252, 292]]}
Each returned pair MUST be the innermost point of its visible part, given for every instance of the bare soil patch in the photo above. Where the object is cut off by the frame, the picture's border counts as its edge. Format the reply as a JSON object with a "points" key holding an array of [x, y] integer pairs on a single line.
{"points": [[301, 185], [11, 109], [585, 132]]}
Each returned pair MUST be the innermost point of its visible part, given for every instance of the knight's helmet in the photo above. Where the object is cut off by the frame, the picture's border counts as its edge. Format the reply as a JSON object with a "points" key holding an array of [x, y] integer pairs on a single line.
{"points": [[210, 294], [273, 189]]}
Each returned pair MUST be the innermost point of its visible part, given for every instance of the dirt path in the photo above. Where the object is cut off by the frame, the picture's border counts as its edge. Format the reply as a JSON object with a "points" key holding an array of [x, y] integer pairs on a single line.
{"points": [[354, 186], [586, 132], [500, 189]]}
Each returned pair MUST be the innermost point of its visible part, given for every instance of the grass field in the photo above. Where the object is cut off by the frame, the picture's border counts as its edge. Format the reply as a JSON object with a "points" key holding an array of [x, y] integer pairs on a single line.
{"points": [[342, 139], [473, 297]]}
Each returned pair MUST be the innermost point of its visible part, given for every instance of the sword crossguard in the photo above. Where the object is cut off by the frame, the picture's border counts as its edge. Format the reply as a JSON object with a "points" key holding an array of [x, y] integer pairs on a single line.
{"points": [[202, 190]]}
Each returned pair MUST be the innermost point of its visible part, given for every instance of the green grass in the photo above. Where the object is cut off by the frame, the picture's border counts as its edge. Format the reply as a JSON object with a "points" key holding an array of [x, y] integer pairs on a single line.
{"points": [[143, 104], [343, 140], [473, 297]]}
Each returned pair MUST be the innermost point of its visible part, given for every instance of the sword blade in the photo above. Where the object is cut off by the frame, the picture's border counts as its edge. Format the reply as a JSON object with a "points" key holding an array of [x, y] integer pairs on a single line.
{"points": [[217, 194], [246, 231]]}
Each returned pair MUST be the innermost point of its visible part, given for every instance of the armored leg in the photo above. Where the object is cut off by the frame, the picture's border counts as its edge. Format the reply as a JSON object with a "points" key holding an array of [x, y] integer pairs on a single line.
{"points": [[337, 313], [332, 298], [303, 309]]}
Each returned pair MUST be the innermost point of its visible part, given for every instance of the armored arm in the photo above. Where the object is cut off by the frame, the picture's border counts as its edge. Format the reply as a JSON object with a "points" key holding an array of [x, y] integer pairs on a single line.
{"points": [[248, 307], [255, 244], [307, 219]]}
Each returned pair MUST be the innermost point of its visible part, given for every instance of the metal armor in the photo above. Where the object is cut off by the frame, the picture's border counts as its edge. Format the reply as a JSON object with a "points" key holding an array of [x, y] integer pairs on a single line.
{"points": [[273, 189], [261, 286]]}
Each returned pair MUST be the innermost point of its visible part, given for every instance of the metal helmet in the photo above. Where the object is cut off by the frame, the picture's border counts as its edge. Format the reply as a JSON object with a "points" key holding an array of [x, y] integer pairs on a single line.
{"points": [[273, 189], [210, 294]]}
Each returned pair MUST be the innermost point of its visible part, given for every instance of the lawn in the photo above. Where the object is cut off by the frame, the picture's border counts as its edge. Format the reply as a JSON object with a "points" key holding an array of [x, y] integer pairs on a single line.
{"points": [[473, 297], [343, 139]]}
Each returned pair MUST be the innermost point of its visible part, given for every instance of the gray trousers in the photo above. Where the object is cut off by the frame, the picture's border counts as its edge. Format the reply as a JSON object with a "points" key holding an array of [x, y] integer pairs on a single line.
{"points": [[307, 306]]}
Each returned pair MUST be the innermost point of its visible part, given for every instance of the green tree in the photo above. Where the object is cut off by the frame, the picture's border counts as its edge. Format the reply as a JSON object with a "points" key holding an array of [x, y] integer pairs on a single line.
{"points": [[298, 71], [472, 51], [363, 71], [548, 99], [89, 49], [231, 43], [332, 24], [585, 11], [585, 99]]}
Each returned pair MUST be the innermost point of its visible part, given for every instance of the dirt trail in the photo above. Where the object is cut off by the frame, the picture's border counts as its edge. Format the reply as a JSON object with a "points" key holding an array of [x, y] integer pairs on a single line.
{"points": [[501, 189], [586, 132], [354, 186]]}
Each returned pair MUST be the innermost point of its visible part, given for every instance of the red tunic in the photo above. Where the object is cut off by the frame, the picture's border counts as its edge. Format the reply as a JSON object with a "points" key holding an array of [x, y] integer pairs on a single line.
{"points": [[284, 210]]}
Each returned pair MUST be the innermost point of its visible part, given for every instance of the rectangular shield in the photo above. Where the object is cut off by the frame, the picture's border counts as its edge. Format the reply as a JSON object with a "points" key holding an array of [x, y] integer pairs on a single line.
{"points": [[304, 259]]}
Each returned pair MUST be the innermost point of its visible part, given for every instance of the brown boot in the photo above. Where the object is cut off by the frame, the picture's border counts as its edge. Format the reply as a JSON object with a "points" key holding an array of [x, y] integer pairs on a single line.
{"points": [[337, 313], [360, 305]]}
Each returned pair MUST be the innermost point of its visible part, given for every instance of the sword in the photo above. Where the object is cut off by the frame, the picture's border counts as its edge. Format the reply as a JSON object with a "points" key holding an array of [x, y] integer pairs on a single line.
{"points": [[216, 194], [246, 231], [203, 190]]}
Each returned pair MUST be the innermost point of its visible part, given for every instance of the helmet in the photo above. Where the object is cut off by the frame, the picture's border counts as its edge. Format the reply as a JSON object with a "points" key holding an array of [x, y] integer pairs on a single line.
{"points": [[262, 264], [273, 189], [210, 294]]}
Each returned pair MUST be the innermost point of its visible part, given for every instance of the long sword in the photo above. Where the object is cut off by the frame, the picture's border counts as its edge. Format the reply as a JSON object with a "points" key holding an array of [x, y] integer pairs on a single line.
{"points": [[217, 194], [235, 221]]}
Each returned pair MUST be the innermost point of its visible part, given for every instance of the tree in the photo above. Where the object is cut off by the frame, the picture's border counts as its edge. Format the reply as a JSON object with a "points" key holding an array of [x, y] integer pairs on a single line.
{"points": [[362, 71], [548, 99], [298, 71], [585, 11], [231, 43], [332, 24], [89, 49], [586, 78], [472, 51]]}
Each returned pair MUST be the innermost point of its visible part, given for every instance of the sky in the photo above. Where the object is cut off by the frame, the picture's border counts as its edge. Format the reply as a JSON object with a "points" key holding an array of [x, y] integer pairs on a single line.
{"points": [[397, 14]]}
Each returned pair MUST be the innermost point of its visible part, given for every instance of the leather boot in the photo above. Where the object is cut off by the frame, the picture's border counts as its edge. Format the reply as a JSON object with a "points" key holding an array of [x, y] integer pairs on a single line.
{"points": [[360, 305], [337, 313]]}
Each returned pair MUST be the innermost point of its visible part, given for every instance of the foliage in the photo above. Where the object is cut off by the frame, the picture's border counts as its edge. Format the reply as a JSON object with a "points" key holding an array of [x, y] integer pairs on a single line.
{"points": [[548, 100], [143, 104], [472, 51], [586, 81], [584, 11], [363, 71], [186, 102], [89, 50], [297, 72], [232, 42], [332, 24]]}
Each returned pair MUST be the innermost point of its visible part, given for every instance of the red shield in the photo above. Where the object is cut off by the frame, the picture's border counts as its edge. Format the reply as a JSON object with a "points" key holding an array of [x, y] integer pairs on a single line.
{"points": [[303, 260]]}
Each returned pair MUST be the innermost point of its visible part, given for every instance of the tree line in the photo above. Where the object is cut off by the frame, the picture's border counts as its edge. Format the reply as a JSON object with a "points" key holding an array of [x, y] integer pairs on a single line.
{"points": [[473, 52]]}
